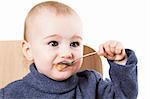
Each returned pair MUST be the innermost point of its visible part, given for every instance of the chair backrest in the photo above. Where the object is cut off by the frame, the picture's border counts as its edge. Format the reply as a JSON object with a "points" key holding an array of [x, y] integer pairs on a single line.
{"points": [[14, 66]]}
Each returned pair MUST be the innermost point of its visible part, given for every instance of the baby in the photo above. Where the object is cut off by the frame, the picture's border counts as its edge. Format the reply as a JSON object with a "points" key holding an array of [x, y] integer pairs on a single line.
{"points": [[52, 36]]}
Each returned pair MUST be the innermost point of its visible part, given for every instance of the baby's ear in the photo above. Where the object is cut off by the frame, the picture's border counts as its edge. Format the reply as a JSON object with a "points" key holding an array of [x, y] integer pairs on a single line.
{"points": [[26, 48]]}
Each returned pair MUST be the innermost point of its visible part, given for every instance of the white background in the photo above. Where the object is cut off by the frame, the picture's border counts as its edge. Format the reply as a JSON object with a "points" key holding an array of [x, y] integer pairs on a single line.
{"points": [[127, 21]]}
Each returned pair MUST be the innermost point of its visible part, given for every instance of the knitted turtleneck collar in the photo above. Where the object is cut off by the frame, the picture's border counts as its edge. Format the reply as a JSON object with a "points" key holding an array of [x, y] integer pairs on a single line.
{"points": [[45, 84]]}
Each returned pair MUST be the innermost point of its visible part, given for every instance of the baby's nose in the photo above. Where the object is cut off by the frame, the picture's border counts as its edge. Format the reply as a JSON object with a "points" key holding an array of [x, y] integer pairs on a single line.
{"points": [[66, 53]]}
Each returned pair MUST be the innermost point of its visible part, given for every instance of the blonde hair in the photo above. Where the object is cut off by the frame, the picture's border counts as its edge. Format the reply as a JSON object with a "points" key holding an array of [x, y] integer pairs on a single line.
{"points": [[55, 7]]}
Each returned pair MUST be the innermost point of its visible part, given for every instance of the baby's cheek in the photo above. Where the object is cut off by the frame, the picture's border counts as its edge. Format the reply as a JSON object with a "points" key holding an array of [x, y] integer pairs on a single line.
{"points": [[79, 63], [79, 51], [51, 57]]}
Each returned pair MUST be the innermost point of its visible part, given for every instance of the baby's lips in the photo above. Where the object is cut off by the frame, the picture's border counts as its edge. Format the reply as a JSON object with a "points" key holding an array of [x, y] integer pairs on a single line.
{"points": [[60, 61], [64, 61]]}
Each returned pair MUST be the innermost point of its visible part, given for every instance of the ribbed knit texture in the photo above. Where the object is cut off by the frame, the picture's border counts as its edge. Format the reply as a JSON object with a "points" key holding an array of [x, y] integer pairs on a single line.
{"points": [[83, 85]]}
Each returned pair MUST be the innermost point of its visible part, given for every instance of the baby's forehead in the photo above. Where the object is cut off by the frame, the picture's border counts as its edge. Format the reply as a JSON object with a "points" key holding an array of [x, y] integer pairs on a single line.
{"points": [[44, 10]]}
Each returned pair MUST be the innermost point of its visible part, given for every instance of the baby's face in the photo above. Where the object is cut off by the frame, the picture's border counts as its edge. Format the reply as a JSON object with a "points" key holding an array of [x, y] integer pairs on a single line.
{"points": [[55, 39]]}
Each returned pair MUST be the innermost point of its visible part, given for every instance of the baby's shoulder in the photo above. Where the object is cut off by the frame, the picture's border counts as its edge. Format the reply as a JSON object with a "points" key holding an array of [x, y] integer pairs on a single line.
{"points": [[13, 84], [13, 87]]}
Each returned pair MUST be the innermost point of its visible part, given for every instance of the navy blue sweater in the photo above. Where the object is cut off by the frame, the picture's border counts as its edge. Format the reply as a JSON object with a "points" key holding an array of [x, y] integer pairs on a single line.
{"points": [[83, 85]]}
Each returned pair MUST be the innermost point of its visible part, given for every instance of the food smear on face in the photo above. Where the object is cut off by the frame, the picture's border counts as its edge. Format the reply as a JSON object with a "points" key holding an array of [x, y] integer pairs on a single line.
{"points": [[60, 67]]}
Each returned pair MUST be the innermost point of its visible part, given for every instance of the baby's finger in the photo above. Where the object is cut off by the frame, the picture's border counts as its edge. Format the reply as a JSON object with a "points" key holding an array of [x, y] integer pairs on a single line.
{"points": [[120, 56], [118, 49], [113, 46], [110, 57], [107, 49], [101, 51]]}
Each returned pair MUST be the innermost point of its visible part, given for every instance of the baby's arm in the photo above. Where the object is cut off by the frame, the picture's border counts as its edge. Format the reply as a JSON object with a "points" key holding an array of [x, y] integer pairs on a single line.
{"points": [[123, 72]]}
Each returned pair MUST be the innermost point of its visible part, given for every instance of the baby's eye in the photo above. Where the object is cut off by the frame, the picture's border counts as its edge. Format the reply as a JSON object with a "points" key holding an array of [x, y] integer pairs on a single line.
{"points": [[53, 43], [75, 44]]}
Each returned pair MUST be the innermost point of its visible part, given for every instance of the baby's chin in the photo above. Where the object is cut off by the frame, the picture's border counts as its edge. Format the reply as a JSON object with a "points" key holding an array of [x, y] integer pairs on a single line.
{"points": [[62, 72], [60, 75]]}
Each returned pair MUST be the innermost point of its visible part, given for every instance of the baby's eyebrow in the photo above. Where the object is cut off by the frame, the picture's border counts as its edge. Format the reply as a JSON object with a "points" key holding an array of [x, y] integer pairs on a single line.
{"points": [[54, 35], [76, 36], [58, 36]]}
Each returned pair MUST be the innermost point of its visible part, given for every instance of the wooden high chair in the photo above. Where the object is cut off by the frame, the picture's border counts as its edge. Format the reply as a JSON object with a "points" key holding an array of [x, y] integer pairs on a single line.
{"points": [[14, 66]]}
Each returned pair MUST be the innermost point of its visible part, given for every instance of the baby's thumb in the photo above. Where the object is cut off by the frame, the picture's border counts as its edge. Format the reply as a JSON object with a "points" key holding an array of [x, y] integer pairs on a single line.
{"points": [[101, 51]]}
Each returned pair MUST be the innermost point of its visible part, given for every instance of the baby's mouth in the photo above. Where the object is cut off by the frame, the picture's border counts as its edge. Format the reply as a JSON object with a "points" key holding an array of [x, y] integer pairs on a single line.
{"points": [[62, 65]]}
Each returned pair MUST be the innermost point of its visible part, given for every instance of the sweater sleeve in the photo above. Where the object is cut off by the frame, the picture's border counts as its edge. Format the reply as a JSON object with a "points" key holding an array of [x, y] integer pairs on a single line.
{"points": [[123, 83], [1, 94]]}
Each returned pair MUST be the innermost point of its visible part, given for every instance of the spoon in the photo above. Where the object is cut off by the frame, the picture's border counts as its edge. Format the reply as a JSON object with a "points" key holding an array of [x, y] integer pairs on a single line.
{"points": [[71, 63]]}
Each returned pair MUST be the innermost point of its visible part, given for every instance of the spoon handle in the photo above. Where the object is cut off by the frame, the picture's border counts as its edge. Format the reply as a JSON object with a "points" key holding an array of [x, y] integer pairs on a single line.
{"points": [[89, 54]]}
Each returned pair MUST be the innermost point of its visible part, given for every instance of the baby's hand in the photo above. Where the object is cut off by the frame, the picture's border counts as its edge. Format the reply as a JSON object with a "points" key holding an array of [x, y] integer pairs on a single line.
{"points": [[113, 50]]}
